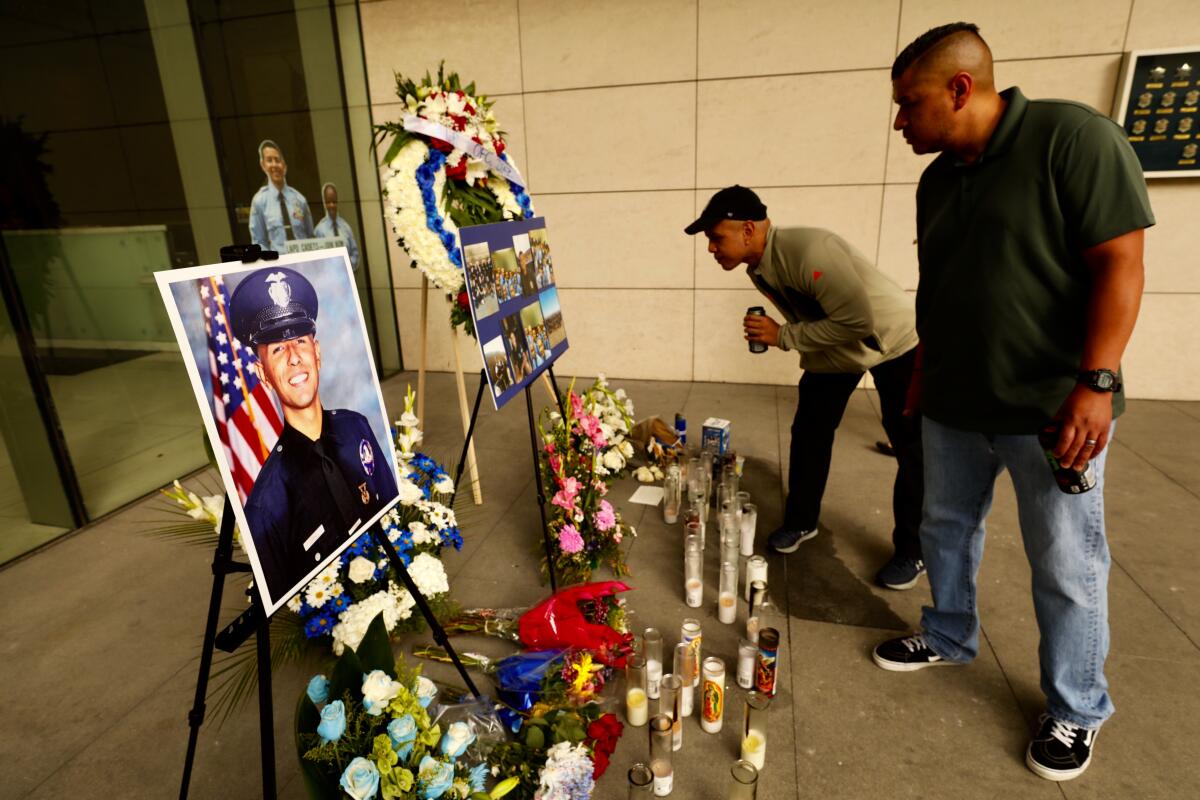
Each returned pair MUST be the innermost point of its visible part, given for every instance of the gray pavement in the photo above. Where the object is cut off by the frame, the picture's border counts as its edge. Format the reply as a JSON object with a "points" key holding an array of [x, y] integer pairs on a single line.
{"points": [[102, 628]]}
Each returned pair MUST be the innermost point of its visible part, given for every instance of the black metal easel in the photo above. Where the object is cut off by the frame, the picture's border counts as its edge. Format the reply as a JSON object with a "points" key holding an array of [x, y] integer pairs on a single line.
{"points": [[537, 471], [255, 621]]}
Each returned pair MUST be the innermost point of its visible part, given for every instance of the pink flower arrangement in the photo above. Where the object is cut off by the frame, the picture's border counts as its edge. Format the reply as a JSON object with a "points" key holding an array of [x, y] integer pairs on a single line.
{"points": [[585, 527]]}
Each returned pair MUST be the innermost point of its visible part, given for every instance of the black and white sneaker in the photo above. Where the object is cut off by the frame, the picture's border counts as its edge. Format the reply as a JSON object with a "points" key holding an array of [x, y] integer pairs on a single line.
{"points": [[907, 654], [1060, 751], [788, 540]]}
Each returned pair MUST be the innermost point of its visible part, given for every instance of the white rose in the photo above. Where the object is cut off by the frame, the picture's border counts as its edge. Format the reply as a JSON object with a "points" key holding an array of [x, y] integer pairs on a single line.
{"points": [[378, 690], [421, 533], [626, 449], [614, 460], [444, 485], [361, 570]]}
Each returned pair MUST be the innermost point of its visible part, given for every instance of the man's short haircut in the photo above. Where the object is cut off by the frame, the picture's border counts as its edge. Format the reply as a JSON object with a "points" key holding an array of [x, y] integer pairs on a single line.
{"points": [[325, 186], [264, 144], [926, 42]]}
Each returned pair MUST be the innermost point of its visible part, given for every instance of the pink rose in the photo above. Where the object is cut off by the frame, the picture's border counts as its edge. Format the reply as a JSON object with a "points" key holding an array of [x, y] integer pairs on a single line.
{"points": [[569, 539]]}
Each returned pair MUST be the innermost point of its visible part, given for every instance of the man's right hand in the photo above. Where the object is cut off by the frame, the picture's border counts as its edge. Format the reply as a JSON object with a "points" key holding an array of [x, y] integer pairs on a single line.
{"points": [[761, 328]]}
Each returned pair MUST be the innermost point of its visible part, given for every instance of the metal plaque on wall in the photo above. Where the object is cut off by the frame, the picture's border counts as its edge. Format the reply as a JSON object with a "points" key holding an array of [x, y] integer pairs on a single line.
{"points": [[1159, 108]]}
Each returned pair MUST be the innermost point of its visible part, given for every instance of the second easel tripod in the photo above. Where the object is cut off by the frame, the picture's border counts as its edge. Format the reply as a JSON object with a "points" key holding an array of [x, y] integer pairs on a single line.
{"points": [[537, 469]]}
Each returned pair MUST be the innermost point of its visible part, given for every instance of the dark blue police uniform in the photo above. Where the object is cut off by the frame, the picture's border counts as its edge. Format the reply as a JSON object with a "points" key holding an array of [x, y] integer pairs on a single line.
{"points": [[310, 497]]}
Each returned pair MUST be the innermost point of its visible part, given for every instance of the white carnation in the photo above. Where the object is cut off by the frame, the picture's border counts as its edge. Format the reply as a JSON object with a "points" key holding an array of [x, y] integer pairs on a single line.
{"points": [[613, 460], [429, 575]]}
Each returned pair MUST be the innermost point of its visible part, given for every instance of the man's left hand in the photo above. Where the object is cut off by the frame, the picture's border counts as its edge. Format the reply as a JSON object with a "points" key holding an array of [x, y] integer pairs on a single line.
{"points": [[761, 328], [1085, 419]]}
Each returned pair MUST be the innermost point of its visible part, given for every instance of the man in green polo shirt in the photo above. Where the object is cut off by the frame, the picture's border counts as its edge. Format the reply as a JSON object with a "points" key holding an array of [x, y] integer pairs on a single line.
{"points": [[845, 318], [1030, 229]]}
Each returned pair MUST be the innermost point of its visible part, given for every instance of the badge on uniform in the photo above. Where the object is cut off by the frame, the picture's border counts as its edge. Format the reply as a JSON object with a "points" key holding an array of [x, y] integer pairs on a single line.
{"points": [[362, 490], [367, 456]]}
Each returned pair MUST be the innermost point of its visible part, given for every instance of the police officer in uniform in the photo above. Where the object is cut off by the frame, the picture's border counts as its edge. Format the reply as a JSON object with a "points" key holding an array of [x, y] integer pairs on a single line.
{"points": [[277, 212], [332, 226], [327, 474]]}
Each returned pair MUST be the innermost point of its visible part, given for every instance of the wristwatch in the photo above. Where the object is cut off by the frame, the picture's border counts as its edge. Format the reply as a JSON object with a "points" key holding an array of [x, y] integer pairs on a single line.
{"points": [[1100, 380]]}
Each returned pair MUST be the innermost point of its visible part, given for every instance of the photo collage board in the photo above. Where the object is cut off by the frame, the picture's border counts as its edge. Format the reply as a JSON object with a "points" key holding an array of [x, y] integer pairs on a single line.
{"points": [[514, 302]]}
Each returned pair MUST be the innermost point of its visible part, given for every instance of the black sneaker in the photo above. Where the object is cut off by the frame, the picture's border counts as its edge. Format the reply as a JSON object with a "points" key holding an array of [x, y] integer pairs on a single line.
{"points": [[786, 540], [900, 573], [907, 654], [1060, 751]]}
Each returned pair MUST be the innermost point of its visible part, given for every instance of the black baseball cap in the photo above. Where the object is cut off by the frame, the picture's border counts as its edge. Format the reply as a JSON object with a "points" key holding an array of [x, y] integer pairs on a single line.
{"points": [[733, 202]]}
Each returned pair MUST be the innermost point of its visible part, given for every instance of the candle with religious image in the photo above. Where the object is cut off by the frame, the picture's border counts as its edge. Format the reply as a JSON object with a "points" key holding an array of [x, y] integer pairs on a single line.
{"points": [[712, 696], [689, 632]]}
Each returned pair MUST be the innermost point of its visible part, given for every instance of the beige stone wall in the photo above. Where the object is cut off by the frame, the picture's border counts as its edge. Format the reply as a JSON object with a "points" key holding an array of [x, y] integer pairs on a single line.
{"points": [[625, 115]]}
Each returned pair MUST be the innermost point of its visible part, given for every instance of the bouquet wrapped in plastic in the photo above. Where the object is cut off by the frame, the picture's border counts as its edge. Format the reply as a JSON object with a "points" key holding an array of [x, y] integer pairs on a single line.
{"points": [[589, 616]]}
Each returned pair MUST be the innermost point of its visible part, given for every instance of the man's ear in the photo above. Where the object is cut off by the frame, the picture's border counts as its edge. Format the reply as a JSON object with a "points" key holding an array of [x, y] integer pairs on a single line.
{"points": [[962, 86]]}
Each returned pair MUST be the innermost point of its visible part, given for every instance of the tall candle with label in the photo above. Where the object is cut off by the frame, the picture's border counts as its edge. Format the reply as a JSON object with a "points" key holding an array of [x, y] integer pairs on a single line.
{"points": [[689, 632], [712, 696]]}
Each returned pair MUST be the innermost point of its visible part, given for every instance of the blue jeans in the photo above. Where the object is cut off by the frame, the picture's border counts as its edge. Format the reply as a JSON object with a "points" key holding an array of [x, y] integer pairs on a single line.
{"points": [[1064, 542]]}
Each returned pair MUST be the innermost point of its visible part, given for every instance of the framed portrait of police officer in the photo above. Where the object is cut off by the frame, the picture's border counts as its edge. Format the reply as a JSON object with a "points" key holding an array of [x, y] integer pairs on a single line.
{"points": [[279, 359]]}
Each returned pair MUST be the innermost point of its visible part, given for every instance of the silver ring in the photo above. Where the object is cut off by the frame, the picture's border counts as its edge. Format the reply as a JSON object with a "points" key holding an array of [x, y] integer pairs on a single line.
{"points": [[1089, 441]]}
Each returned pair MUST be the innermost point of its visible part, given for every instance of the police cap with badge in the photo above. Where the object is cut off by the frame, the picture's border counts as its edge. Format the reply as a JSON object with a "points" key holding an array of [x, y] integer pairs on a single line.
{"points": [[271, 305]]}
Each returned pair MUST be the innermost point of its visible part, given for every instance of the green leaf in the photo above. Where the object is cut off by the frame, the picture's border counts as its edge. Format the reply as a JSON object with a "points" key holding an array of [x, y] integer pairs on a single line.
{"points": [[347, 675], [535, 738], [375, 650]]}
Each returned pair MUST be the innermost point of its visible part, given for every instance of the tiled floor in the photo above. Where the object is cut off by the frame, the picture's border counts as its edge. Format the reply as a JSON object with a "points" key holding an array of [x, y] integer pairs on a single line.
{"points": [[102, 629]]}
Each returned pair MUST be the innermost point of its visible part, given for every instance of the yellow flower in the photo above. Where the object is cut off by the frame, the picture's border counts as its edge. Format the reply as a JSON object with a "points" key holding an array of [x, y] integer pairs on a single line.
{"points": [[584, 670]]}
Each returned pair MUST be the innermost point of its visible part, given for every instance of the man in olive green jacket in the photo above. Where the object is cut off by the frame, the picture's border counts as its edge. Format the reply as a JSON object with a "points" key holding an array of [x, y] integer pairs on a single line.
{"points": [[845, 318]]}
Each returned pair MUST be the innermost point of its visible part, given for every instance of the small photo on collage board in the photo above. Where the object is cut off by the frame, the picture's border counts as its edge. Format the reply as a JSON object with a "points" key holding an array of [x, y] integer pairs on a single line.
{"points": [[514, 302]]}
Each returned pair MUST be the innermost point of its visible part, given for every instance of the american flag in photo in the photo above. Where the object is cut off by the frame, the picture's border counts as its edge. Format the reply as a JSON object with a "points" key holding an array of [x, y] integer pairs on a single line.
{"points": [[248, 422]]}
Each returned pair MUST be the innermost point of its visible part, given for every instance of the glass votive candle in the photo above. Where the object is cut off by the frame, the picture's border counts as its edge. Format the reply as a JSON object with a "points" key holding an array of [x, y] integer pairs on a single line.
{"points": [[637, 705], [749, 526], [727, 594], [693, 572], [747, 659], [743, 498], [712, 695], [743, 781], [641, 781], [756, 570], [690, 632], [652, 644], [668, 704], [660, 755], [683, 669], [754, 729]]}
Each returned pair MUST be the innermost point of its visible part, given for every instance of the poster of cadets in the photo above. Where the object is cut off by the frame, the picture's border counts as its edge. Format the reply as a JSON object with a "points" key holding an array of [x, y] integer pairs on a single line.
{"points": [[514, 302]]}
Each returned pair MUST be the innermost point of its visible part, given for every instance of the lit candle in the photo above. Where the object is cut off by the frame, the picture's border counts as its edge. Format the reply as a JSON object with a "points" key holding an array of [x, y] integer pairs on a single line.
{"points": [[636, 704], [754, 729]]}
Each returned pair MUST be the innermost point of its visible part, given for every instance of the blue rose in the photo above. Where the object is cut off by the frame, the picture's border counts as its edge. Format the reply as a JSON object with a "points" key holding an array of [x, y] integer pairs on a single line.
{"points": [[403, 733], [318, 689], [425, 690], [333, 722], [456, 739], [361, 779], [434, 777]]}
